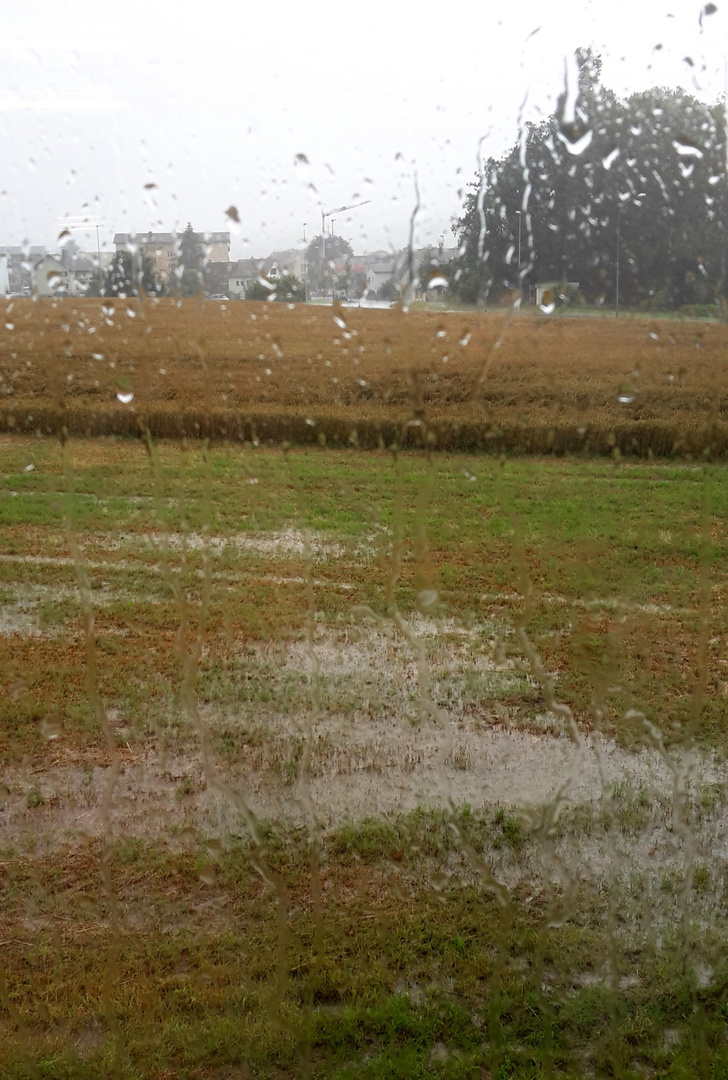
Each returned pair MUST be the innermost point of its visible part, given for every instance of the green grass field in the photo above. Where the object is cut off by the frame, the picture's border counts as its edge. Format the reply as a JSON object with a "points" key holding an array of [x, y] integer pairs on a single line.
{"points": [[232, 674]]}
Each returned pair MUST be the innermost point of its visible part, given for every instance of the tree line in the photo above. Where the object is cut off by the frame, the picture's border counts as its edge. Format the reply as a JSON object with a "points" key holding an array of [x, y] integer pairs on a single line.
{"points": [[643, 178]]}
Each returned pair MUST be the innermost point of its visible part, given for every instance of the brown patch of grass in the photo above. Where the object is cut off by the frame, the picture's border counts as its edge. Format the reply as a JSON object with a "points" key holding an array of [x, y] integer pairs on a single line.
{"points": [[458, 381]]}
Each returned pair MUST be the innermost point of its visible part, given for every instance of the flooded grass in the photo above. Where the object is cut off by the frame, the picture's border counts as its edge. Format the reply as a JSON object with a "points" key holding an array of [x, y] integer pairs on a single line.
{"points": [[289, 786]]}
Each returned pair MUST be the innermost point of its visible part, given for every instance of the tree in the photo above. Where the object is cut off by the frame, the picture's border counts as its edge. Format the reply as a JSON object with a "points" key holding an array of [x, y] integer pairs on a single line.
{"points": [[432, 269], [286, 288], [120, 278], [649, 167], [388, 290], [256, 290], [290, 289], [191, 263], [320, 272], [151, 284], [97, 284]]}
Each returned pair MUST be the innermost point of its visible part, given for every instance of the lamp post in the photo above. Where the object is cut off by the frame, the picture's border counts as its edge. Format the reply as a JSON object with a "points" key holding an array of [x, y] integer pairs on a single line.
{"points": [[639, 195], [304, 267], [98, 248]]}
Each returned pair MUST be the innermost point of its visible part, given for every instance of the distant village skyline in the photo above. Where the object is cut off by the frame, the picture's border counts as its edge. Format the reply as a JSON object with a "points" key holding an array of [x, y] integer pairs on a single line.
{"points": [[69, 270]]}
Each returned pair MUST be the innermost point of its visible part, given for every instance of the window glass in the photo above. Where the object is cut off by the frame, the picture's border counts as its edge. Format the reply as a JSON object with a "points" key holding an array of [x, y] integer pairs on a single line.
{"points": [[362, 542]]}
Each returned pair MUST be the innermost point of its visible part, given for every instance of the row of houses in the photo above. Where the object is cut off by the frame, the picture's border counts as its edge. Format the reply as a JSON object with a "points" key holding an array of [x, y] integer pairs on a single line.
{"points": [[223, 277], [36, 271], [163, 248]]}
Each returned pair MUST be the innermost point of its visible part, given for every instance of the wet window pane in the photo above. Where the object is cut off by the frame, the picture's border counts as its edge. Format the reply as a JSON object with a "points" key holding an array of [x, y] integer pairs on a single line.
{"points": [[362, 543]]}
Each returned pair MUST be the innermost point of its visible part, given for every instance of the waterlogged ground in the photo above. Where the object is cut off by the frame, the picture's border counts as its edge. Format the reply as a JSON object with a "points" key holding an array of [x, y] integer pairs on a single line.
{"points": [[336, 636], [239, 679]]}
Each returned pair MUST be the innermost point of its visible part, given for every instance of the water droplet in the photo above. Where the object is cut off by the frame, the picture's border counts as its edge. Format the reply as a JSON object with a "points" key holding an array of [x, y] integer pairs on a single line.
{"points": [[268, 371], [441, 332], [427, 599], [97, 356], [578, 145], [265, 283], [654, 336], [611, 157], [51, 727], [687, 149], [626, 394], [124, 391], [464, 340], [252, 480], [214, 849], [9, 326], [548, 308], [131, 313], [29, 467], [439, 282], [340, 322]]}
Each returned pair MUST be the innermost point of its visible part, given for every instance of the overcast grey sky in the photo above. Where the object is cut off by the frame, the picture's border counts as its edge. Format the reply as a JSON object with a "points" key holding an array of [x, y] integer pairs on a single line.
{"points": [[284, 108]]}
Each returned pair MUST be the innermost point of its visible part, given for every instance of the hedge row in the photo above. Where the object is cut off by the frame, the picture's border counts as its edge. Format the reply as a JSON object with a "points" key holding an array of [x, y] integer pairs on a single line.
{"points": [[639, 438]]}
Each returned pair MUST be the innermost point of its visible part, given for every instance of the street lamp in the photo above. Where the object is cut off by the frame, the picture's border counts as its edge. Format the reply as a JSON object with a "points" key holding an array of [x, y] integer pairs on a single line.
{"points": [[101, 277], [304, 267], [639, 195]]}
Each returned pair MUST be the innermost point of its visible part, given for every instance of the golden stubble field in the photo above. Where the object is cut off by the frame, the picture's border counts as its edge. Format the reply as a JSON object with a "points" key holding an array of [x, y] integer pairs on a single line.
{"points": [[310, 373]]}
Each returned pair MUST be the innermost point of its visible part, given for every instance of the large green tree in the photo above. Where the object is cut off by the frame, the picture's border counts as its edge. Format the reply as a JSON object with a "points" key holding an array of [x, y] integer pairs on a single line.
{"points": [[191, 263], [649, 168], [322, 254], [120, 278]]}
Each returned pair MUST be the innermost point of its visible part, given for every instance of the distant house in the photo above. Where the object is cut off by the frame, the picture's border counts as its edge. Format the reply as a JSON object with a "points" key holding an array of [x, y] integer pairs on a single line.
{"points": [[20, 263], [65, 274], [160, 247], [547, 291], [240, 274], [216, 246], [290, 262], [81, 267], [50, 277], [245, 271], [378, 273], [163, 248]]}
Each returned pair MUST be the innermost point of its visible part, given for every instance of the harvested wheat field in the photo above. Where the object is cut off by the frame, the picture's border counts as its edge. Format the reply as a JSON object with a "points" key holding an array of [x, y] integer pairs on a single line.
{"points": [[361, 760], [307, 374]]}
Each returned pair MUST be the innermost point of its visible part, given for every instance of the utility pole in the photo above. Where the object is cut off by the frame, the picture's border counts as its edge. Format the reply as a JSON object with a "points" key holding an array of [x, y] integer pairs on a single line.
{"points": [[101, 276], [639, 195], [327, 213], [304, 265]]}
